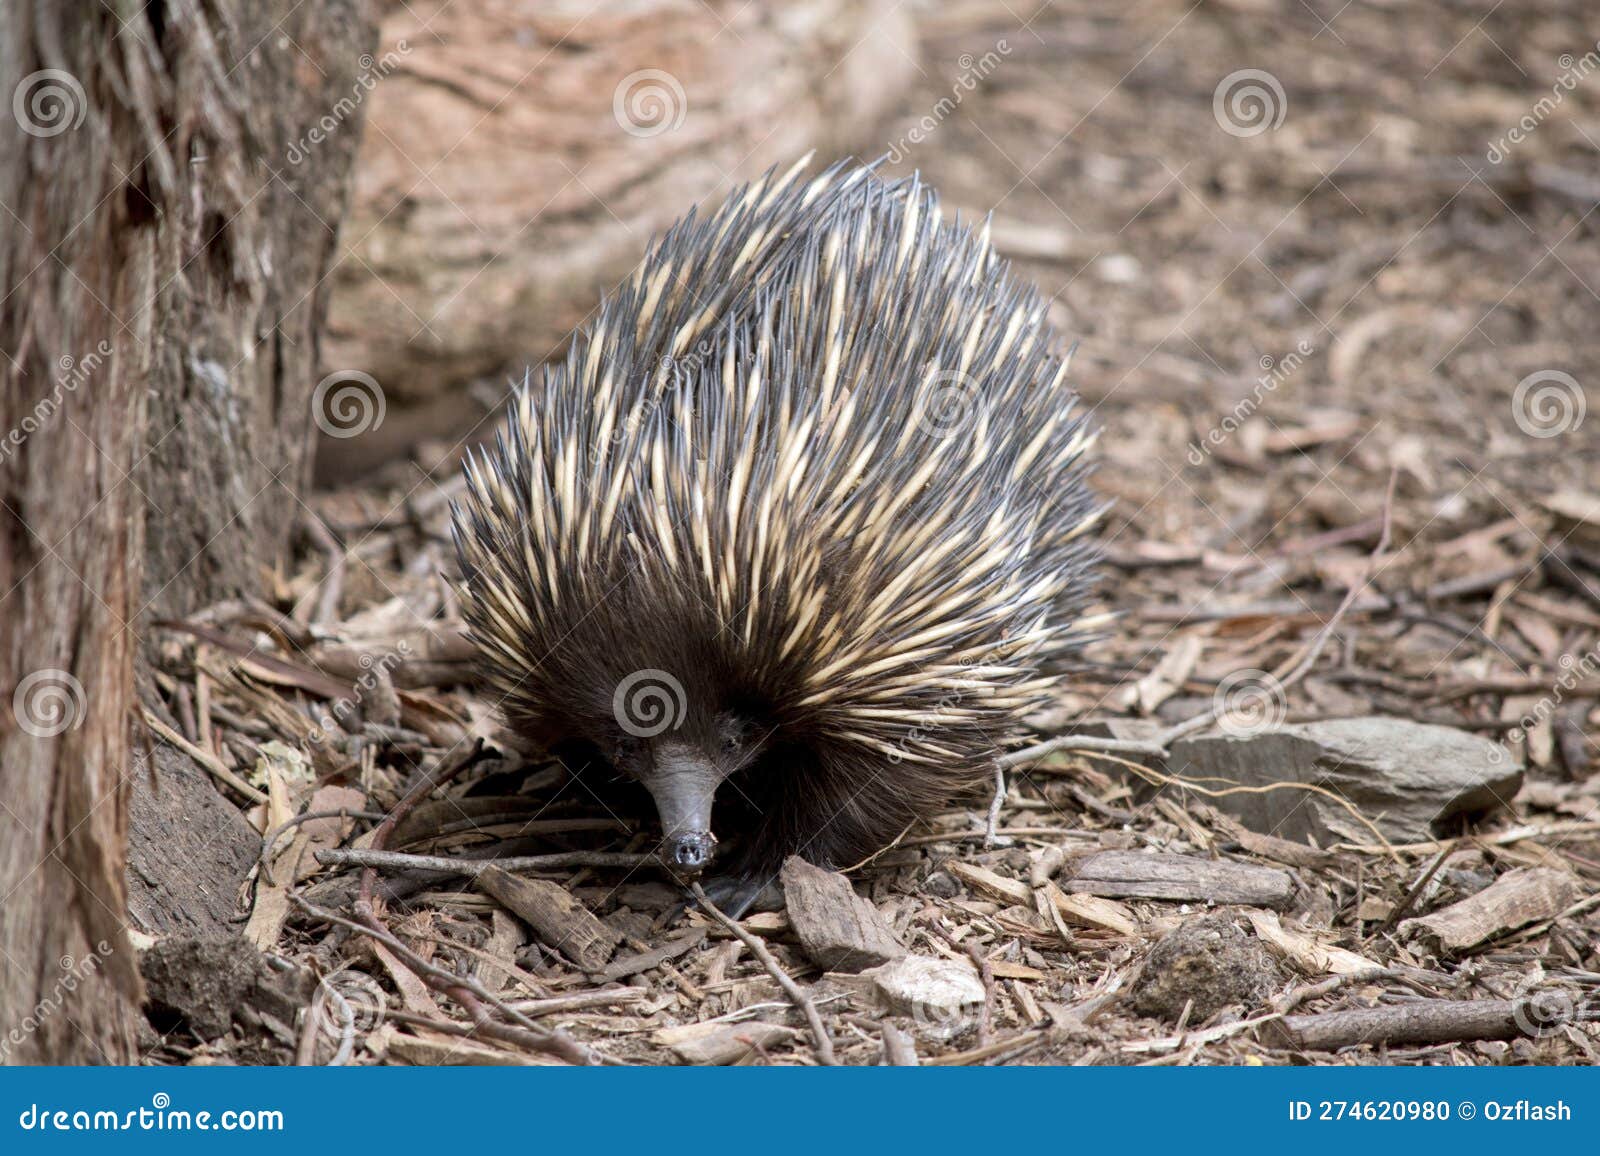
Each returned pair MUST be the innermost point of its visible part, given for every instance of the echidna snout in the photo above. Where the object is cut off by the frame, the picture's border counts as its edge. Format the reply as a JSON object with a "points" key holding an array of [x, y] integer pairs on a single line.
{"points": [[683, 781]]}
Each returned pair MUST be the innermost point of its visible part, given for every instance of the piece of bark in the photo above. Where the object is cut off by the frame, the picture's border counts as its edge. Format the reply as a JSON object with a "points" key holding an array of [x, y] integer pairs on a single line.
{"points": [[189, 849], [1518, 898], [1186, 878], [899, 1050], [593, 130], [433, 1051], [1409, 779], [1431, 1021], [1285, 850], [939, 992], [559, 920], [839, 930], [502, 947]]}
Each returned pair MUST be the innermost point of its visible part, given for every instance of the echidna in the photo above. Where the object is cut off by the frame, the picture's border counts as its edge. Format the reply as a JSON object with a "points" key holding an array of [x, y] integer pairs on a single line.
{"points": [[800, 525]]}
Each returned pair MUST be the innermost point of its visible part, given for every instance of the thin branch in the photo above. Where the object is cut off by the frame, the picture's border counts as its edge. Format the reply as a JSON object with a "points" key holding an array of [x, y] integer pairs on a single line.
{"points": [[794, 991]]}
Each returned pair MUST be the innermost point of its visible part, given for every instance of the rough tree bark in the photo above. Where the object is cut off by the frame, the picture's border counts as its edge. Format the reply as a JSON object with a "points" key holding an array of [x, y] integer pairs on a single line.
{"points": [[160, 262]]}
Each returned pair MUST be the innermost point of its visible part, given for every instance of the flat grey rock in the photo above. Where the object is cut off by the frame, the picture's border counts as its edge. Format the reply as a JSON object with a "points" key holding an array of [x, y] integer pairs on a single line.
{"points": [[1411, 780]]}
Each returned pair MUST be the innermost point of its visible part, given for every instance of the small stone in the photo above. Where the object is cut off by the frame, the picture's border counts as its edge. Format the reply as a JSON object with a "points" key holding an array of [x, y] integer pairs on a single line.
{"points": [[1119, 269], [720, 1043], [942, 992]]}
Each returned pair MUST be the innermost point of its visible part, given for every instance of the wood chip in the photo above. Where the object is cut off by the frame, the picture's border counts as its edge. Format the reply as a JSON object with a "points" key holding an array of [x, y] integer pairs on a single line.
{"points": [[839, 930], [986, 881], [559, 920], [1430, 1021], [1310, 956], [645, 961], [443, 1051], [1093, 911]]}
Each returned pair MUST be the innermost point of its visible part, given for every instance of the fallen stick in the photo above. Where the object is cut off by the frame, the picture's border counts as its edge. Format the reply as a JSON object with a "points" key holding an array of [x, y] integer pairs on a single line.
{"points": [[206, 759], [1432, 1021], [472, 868], [794, 991]]}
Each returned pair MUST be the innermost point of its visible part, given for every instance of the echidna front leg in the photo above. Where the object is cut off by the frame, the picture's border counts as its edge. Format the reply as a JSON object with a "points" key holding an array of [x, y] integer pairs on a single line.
{"points": [[734, 895]]}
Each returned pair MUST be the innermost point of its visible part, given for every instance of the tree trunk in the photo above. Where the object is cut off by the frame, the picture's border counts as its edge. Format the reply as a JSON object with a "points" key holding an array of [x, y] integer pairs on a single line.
{"points": [[156, 335]]}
